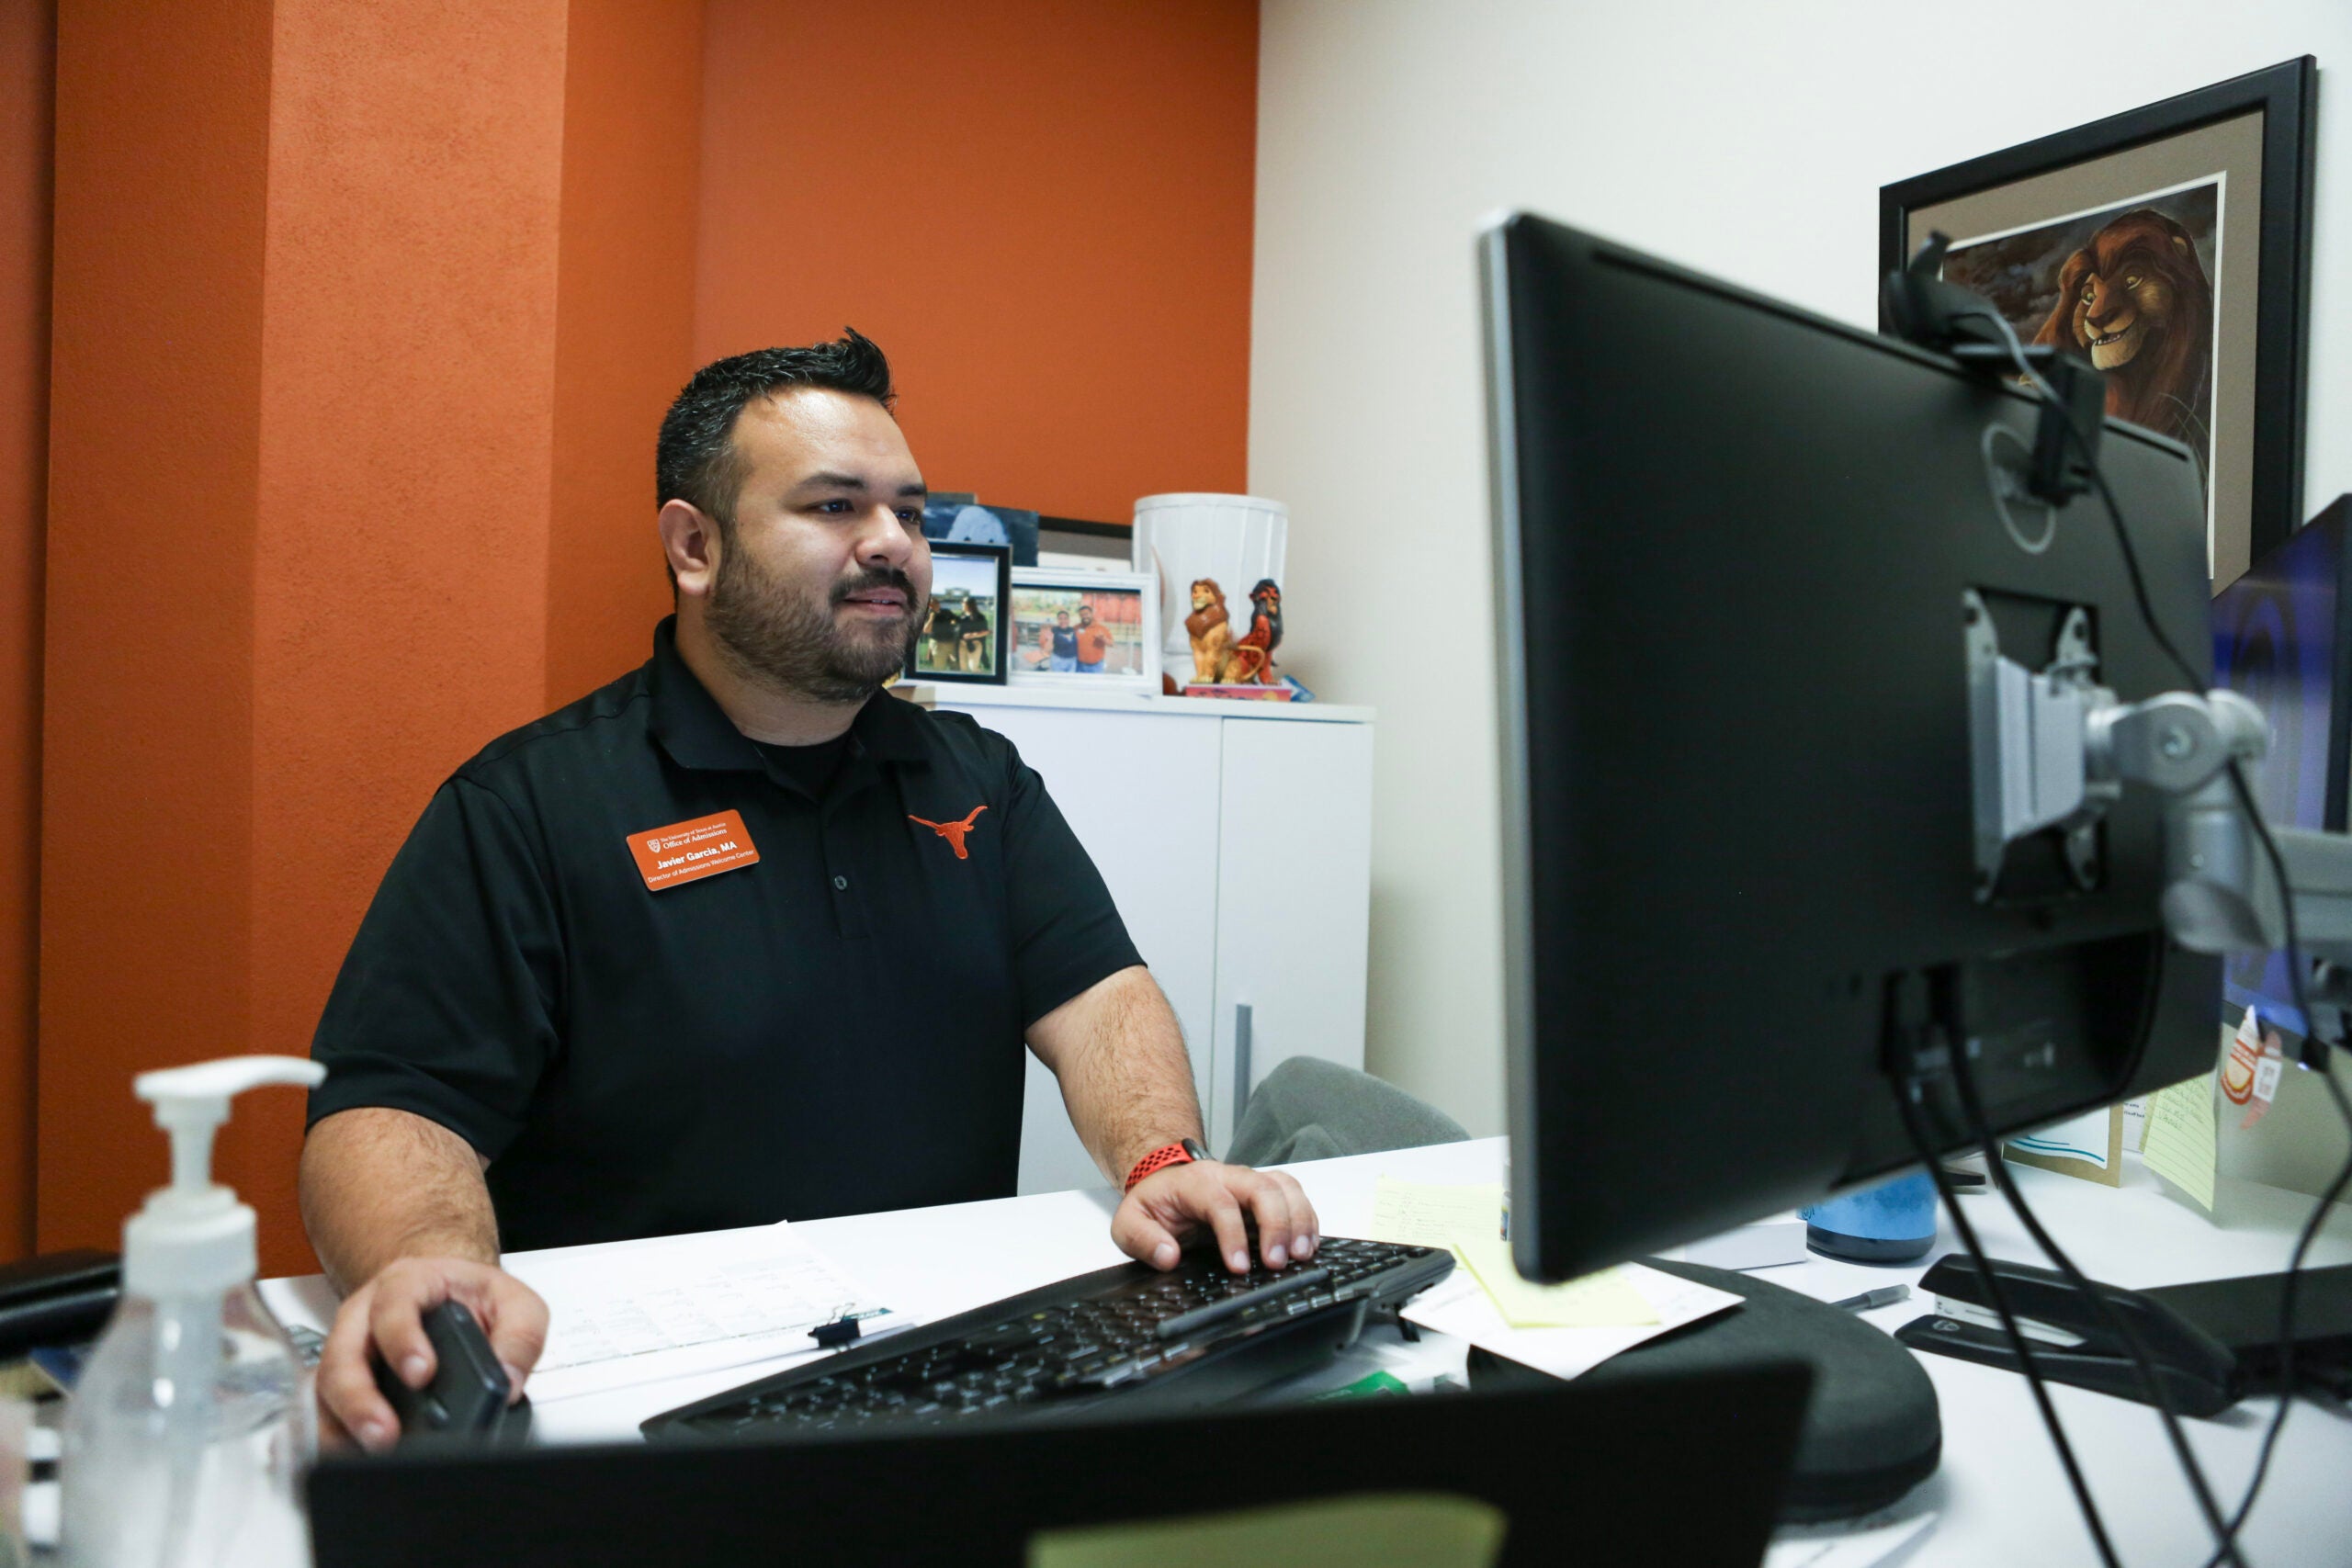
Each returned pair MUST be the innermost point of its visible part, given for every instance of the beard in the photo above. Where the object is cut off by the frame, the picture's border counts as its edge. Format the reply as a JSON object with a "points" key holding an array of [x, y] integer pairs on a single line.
{"points": [[772, 632]]}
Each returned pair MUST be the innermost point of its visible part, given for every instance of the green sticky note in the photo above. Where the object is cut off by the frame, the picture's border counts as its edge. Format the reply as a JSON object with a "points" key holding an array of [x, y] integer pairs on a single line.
{"points": [[1606, 1300], [2178, 1142], [1420, 1213], [1431, 1529]]}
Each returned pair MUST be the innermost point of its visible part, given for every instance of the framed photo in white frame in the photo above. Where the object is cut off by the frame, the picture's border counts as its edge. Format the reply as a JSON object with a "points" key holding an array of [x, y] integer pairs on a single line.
{"points": [[1083, 630]]}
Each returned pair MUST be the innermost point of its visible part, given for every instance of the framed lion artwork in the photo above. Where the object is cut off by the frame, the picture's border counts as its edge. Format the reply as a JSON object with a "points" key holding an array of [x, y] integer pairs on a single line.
{"points": [[2171, 247]]}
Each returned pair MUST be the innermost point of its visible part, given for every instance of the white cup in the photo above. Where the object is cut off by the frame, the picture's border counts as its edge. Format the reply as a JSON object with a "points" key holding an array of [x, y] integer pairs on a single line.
{"points": [[1235, 539]]}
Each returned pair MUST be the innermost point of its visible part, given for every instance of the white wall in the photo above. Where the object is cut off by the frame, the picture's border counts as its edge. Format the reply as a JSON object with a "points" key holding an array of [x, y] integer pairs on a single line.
{"points": [[1745, 140]]}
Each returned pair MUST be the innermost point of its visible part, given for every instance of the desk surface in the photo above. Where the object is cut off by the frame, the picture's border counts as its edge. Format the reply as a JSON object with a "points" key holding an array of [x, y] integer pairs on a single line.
{"points": [[2000, 1493]]}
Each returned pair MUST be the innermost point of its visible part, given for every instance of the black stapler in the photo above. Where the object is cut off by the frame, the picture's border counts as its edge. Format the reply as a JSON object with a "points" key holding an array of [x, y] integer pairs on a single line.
{"points": [[2070, 1340]]}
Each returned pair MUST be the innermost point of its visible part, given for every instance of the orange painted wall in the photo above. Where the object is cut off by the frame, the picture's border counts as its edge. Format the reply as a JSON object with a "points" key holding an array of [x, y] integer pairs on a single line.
{"points": [[1041, 211], [625, 314], [163, 142], [28, 74], [338, 532], [408, 406]]}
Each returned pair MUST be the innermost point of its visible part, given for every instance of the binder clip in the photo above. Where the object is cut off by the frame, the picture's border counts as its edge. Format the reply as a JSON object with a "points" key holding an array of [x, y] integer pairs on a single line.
{"points": [[842, 1329]]}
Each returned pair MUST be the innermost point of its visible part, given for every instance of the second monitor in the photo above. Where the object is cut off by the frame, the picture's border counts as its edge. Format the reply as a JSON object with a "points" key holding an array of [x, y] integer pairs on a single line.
{"points": [[1737, 551], [2280, 638]]}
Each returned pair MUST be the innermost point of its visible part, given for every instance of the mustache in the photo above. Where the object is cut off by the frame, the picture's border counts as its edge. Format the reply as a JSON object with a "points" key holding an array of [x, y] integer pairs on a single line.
{"points": [[872, 578]]}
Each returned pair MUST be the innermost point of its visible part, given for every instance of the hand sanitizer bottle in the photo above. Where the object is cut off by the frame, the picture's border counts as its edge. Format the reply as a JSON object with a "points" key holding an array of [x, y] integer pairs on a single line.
{"points": [[190, 1425]]}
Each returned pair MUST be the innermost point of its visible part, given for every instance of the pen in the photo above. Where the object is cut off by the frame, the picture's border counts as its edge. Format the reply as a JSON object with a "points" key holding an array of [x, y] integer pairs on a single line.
{"points": [[1884, 1296]]}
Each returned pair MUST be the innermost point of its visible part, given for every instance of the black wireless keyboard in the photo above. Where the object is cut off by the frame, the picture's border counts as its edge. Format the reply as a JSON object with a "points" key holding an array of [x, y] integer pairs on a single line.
{"points": [[1196, 1334]]}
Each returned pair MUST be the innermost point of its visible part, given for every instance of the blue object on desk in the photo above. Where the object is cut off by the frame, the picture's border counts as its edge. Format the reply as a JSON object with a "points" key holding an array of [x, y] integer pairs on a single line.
{"points": [[1892, 1223], [60, 1364]]}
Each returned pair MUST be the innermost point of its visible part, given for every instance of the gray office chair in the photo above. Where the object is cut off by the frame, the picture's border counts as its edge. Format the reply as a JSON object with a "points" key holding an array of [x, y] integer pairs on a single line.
{"points": [[1309, 1108]]}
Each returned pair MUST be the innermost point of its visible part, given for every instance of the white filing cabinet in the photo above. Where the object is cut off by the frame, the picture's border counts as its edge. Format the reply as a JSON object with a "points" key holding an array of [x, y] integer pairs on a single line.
{"points": [[1237, 839]]}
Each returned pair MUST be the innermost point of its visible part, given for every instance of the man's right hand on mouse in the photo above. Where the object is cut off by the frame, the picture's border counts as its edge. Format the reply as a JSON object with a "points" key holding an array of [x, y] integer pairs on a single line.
{"points": [[385, 1316]]}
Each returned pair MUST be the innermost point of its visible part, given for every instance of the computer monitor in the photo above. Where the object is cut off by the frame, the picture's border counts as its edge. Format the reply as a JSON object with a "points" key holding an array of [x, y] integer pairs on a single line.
{"points": [[1669, 1468], [1735, 546], [2280, 638]]}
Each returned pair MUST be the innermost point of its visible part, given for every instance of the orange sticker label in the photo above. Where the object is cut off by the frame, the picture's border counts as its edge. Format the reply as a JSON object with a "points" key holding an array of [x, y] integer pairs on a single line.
{"points": [[688, 851]]}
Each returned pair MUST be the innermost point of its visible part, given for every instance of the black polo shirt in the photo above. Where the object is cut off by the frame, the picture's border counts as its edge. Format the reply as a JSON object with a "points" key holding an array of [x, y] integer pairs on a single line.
{"points": [[832, 1029]]}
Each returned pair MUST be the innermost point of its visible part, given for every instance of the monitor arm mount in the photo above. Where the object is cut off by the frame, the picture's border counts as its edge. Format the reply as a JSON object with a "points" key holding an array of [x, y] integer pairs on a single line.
{"points": [[2054, 750]]}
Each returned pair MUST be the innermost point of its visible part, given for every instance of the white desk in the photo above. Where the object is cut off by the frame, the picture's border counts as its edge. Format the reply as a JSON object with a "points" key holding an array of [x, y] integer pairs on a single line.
{"points": [[2002, 1497]]}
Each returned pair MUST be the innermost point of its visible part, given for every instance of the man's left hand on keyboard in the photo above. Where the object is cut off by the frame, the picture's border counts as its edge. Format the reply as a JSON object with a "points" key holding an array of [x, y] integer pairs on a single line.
{"points": [[1170, 1205]]}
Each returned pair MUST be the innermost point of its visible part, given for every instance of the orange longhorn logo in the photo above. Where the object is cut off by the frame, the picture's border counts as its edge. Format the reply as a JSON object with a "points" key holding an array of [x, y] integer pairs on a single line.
{"points": [[953, 831]]}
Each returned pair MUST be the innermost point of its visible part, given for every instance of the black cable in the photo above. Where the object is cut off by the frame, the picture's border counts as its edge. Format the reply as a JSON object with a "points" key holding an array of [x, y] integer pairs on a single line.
{"points": [[2287, 1318], [2315, 1055], [1921, 1142], [2224, 1531], [2049, 394], [2117, 1324]]}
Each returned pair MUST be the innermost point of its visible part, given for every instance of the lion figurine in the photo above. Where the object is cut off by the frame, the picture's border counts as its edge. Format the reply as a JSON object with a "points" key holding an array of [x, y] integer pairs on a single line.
{"points": [[1211, 630]]}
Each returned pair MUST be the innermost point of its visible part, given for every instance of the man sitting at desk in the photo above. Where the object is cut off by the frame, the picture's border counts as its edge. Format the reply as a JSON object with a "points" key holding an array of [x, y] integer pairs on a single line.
{"points": [[735, 939]]}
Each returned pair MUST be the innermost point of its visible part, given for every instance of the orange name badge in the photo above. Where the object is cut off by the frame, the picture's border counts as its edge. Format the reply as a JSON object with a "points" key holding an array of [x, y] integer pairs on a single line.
{"points": [[688, 851]]}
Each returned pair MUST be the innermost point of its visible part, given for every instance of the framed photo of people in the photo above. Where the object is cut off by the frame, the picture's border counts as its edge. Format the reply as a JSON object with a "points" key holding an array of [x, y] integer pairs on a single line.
{"points": [[961, 635], [2171, 247], [1099, 630]]}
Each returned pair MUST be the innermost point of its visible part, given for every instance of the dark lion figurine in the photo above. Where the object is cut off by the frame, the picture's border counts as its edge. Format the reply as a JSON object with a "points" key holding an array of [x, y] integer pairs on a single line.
{"points": [[2136, 302]]}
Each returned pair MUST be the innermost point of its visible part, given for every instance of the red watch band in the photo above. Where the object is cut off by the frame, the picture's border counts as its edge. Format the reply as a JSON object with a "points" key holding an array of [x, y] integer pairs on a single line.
{"points": [[1160, 1158]]}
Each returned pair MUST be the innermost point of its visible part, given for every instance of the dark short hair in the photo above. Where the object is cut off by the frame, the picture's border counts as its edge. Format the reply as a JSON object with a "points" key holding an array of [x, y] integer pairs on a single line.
{"points": [[695, 462]]}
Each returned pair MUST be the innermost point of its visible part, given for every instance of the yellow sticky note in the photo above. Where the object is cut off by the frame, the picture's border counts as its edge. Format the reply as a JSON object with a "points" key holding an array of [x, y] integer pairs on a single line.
{"points": [[2178, 1144], [1606, 1300], [1433, 1529], [1419, 1213]]}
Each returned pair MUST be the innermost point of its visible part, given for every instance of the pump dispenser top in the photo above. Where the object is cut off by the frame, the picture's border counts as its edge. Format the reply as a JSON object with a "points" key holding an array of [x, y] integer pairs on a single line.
{"points": [[194, 1238], [189, 1427]]}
